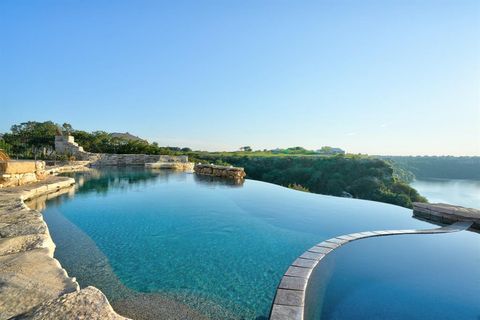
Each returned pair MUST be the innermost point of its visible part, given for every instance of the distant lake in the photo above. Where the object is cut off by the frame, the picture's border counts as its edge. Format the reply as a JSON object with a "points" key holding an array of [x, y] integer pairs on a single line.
{"points": [[458, 192]]}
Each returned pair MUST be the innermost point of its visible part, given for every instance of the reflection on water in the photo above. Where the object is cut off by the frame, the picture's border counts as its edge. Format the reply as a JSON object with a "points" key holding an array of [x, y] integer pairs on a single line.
{"points": [[101, 181], [217, 181], [81, 257], [464, 193], [39, 203]]}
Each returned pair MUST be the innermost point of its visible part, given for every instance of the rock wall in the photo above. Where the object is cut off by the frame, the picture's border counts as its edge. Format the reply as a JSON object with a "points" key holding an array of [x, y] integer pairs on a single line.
{"points": [[220, 171], [15, 173], [67, 145], [108, 159], [20, 172]]}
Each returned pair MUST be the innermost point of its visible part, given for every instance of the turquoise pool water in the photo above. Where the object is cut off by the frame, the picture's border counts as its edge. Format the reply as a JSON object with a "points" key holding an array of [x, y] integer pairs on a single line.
{"points": [[175, 243], [400, 277]]}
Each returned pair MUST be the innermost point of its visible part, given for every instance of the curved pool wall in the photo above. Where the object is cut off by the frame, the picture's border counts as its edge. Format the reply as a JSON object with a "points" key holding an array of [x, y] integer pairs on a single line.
{"points": [[218, 248], [295, 288], [399, 277]]}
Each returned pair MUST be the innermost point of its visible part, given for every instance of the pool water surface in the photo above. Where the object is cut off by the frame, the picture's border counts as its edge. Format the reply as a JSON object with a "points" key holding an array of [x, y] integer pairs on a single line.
{"points": [[181, 245]]}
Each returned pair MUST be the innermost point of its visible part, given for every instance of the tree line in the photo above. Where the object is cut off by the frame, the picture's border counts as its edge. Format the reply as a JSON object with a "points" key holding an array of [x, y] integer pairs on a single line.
{"points": [[32, 139], [355, 176]]}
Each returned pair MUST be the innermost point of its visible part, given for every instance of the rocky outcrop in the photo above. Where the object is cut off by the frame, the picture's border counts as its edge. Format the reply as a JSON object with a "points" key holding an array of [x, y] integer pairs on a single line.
{"points": [[29, 275]]}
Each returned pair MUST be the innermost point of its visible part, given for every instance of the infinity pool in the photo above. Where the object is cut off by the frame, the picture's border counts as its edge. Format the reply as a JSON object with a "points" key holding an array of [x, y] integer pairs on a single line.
{"points": [[164, 244]]}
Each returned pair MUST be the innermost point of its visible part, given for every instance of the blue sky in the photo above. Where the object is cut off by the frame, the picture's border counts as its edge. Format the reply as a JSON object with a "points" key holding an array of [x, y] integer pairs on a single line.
{"points": [[377, 77]]}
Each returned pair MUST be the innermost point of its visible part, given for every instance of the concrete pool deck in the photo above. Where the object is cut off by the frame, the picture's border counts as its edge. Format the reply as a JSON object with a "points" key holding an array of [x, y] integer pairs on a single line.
{"points": [[289, 301], [33, 283]]}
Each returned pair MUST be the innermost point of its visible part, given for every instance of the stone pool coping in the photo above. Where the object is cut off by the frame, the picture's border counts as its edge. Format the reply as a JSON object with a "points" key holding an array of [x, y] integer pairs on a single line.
{"points": [[33, 283], [443, 213], [289, 301]]}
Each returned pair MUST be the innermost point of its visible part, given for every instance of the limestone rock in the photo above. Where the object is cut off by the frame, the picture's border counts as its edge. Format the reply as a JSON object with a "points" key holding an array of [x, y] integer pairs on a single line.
{"points": [[29, 278], [220, 171], [23, 227], [29, 274], [88, 303], [24, 243], [20, 172]]}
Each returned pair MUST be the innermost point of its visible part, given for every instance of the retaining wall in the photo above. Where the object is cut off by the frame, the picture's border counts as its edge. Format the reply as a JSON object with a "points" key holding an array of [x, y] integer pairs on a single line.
{"points": [[220, 171], [20, 172], [107, 159]]}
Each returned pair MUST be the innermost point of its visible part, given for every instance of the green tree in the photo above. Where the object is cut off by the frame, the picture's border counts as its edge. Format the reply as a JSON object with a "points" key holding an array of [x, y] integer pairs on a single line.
{"points": [[31, 139]]}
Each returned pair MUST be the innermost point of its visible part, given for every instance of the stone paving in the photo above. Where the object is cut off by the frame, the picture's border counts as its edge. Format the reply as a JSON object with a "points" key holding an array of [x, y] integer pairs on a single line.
{"points": [[289, 301]]}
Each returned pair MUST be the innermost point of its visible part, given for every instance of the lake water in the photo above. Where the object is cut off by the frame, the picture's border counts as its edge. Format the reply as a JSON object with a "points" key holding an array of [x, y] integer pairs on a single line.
{"points": [[172, 245], [465, 193]]}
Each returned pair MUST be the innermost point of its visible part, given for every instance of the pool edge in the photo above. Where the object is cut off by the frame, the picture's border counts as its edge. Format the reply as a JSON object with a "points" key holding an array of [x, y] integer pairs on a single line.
{"points": [[29, 270], [289, 300]]}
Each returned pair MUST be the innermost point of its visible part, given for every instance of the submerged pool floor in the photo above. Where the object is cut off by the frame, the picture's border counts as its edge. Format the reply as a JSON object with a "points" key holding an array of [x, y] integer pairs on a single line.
{"points": [[182, 246]]}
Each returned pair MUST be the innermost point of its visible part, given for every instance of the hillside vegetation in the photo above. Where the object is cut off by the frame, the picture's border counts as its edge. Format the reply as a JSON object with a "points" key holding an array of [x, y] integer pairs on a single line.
{"points": [[355, 176], [33, 139], [350, 175]]}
